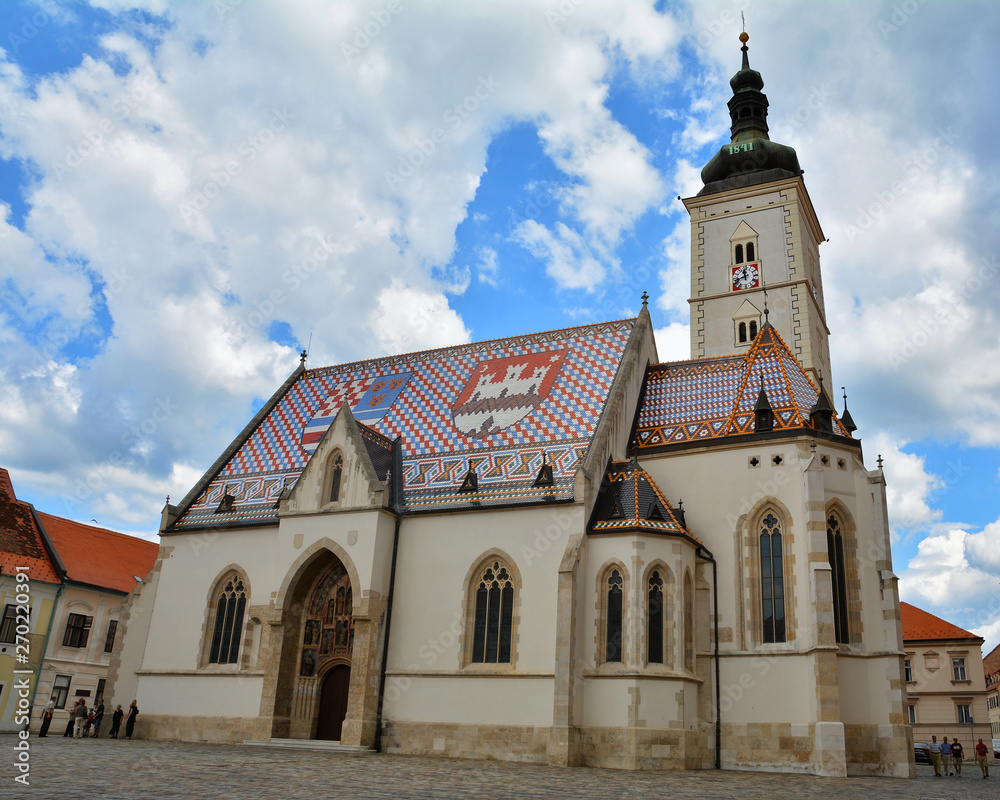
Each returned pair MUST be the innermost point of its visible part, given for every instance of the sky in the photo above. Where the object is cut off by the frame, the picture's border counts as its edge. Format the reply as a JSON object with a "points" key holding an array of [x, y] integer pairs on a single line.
{"points": [[193, 192]]}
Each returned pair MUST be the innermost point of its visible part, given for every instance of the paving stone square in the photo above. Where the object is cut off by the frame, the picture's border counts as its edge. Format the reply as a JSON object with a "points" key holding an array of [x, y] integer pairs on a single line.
{"points": [[107, 769]]}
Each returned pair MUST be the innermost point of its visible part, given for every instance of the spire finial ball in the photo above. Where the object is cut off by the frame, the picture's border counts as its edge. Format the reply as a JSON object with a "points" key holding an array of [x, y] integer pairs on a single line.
{"points": [[744, 37]]}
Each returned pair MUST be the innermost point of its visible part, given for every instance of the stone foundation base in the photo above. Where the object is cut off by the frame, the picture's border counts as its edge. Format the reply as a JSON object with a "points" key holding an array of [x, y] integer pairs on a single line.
{"points": [[609, 748], [223, 730], [880, 750], [809, 748]]}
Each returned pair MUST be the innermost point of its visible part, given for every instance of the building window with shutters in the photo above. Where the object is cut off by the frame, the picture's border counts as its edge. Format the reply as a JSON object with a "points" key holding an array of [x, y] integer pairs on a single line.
{"points": [[77, 630]]}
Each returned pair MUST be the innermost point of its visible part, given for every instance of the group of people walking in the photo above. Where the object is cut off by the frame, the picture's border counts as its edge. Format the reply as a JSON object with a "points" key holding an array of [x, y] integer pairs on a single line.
{"points": [[83, 720], [947, 757]]}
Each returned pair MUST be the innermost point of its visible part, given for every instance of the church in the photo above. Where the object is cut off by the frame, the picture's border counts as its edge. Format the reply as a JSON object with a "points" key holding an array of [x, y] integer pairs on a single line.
{"points": [[553, 548]]}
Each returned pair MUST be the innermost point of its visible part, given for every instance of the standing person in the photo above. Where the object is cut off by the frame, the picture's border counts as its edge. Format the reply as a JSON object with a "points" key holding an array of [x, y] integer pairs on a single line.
{"points": [[133, 712], [957, 754], [81, 717], [98, 717], [47, 712], [116, 721], [935, 748], [981, 751], [72, 720], [946, 756]]}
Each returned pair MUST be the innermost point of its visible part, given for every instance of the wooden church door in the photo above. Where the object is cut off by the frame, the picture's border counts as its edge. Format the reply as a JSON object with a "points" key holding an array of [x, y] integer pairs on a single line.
{"points": [[333, 703]]}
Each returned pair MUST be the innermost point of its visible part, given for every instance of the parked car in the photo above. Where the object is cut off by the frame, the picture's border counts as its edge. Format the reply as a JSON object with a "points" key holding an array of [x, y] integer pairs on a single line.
{"points": [[921, 752]]}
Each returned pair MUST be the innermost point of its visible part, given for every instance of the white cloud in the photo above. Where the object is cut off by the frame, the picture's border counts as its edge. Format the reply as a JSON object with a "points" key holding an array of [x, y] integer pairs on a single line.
{"points": [[488, 266], [410, 319], [568, 259], [673, 343]]}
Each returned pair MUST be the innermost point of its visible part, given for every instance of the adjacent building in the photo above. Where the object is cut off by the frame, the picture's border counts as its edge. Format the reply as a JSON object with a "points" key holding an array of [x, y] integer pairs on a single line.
{"points": [[79, 575], [482, 550], [946, 692], [991, 666]]}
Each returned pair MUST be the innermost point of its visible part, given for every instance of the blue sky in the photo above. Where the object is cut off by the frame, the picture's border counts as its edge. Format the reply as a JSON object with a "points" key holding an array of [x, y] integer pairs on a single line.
{"points": [[170, 171]]}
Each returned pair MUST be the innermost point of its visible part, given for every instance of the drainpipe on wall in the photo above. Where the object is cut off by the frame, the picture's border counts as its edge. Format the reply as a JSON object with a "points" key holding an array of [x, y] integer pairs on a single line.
{"points": [[397, 503], [704, 553]]}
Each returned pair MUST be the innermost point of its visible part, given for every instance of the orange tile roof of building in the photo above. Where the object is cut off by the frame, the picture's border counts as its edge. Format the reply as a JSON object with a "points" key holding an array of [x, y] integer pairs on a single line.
{"points": [[21, 543], [921, 626], [97, 556]]}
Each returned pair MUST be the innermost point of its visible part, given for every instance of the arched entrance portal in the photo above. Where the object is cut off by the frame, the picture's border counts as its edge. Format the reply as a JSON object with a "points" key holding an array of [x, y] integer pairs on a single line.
{"points": [[327, 643], [317, 642], [333, 702]]}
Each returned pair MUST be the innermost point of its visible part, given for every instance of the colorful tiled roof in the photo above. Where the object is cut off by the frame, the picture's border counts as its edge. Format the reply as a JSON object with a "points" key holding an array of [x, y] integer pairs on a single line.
{"points": [[921, 626], [21, 542], [97, 556], [709, 398], [497, 406], [630, 500]]}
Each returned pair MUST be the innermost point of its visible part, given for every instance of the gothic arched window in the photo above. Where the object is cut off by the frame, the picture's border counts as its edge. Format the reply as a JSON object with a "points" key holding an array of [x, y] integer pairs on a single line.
{"points": [[494, 615], [772, 580], [613, 627], [688, 624], [338, 470], [739, 254], [835, 550], [654, 633], [230, 606]]}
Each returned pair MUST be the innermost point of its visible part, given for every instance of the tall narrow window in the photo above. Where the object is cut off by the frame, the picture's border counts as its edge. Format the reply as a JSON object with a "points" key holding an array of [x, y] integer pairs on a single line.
{"points": [[654, 635], [688, 624], [494, 615], [109, 640], [749, 251], [739, 254], [743, 332], [958, 667], [908, 670], [338, 470], [229, 610], [772, 581], [613, 631], [835, 549], [911, 711], [60, 688], [753, 329], [964, 714], [8, 626]]}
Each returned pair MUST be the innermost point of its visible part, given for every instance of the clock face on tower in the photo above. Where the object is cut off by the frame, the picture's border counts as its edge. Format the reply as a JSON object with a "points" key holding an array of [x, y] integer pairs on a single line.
{"points": [[745, 276]]}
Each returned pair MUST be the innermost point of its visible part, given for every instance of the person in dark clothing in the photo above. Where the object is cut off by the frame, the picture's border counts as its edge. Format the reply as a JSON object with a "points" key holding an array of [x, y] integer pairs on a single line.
{"points": [[72, 719], [98, 717], [133, 712], [116, 722]]}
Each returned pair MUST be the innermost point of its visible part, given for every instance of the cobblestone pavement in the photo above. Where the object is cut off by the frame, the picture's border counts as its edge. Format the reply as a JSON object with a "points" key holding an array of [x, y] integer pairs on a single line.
{"points": [[67, 769]]}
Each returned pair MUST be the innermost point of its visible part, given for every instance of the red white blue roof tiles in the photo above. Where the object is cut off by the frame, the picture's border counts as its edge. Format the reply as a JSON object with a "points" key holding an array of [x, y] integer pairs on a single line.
{"points": [[496, 406], [703, 399]]}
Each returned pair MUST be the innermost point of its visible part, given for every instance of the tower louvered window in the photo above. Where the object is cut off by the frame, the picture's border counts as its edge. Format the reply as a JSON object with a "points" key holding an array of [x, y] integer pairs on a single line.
{"points": [[494, 615], [229, 612]]}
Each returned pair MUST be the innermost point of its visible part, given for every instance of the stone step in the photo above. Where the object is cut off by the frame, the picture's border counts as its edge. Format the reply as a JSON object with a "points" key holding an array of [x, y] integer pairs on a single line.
{"points": [[310, 744]]}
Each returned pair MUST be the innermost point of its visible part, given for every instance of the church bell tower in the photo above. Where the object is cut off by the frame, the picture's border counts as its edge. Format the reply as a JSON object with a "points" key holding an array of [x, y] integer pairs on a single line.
{"points": [[755, 241]]}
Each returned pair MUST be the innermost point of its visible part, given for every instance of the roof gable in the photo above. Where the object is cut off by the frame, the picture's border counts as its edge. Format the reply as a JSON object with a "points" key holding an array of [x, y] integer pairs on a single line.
{"points": [[21, 540], [704, 399], [922, 626], [631, 501], [498, 407], [99, 557]]}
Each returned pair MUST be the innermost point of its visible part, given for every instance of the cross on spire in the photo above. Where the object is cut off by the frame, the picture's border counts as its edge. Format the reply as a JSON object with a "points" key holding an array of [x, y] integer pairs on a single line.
{"points": [[645, 298]]}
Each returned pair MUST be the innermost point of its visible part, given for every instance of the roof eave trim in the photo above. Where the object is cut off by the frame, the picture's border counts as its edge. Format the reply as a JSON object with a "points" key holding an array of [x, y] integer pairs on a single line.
{"points": [[50, 548], [236, 444]]}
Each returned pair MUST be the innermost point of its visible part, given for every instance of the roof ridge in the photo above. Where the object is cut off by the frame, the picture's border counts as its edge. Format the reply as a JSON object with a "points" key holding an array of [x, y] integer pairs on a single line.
{"points": [[456, 347]]}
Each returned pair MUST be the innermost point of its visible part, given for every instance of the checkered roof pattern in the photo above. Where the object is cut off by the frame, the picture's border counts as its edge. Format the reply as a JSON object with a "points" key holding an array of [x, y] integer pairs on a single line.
{"points": [[436, 454]]}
